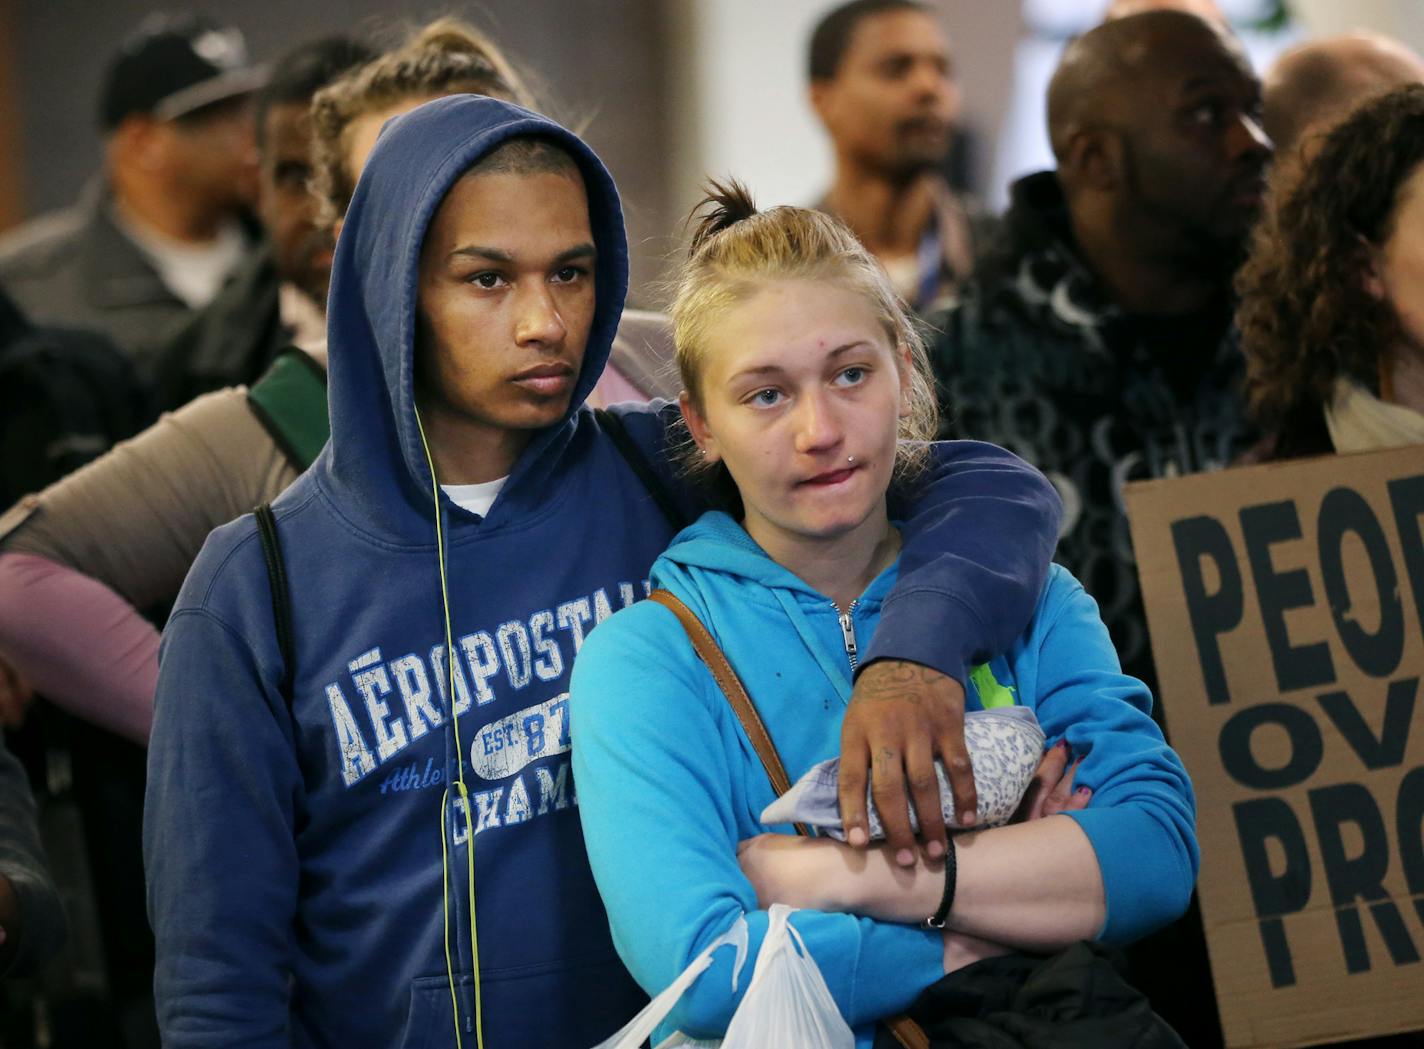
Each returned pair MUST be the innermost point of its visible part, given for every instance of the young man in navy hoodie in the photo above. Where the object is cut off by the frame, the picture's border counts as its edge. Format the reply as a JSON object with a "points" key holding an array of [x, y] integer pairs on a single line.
{"points": [[373, 841]]}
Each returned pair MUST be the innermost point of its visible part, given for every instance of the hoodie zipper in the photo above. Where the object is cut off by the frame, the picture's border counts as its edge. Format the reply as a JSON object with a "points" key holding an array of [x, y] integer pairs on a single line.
{"points": [[848, 631]]}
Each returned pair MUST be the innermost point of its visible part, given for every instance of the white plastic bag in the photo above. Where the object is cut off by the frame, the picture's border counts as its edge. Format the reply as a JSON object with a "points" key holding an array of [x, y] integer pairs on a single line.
{"points": [[787, 1002], [655, 1012]]}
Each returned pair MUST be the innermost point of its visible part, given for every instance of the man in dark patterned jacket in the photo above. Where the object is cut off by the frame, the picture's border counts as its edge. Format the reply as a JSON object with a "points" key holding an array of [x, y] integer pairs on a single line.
{"points": [[1095, 339]]}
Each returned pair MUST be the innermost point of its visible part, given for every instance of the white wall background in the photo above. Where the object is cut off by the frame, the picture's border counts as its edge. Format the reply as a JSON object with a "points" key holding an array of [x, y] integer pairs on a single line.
{"points": [[1402, 19], [741, 106], [740, 102]]}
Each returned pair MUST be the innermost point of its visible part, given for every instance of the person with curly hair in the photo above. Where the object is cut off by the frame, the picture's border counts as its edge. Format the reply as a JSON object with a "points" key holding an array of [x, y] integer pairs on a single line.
{"points": [[1332, 295]]}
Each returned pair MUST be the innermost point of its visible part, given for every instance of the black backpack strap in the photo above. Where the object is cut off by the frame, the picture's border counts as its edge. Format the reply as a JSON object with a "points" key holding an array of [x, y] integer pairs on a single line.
{"points": [[281, 597], [618, 434], [65, 398]]}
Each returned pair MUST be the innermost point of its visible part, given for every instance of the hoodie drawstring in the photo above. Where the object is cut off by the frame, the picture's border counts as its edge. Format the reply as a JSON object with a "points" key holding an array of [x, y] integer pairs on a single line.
{"points": [[464, 794]]}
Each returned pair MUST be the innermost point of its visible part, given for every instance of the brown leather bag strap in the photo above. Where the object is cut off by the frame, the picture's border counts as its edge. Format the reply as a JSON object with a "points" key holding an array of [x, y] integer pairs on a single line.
{"points": [[908, 1033], [711, 653]]}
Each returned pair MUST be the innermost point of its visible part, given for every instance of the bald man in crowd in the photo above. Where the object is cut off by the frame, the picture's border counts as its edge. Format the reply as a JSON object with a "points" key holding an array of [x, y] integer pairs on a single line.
{"points": [[1095, 338], [1207, 9], [1312, 87]]}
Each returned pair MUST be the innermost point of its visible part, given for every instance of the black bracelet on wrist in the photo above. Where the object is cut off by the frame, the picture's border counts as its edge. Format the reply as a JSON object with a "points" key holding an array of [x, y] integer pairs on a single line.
{"points": [[946, 901]]}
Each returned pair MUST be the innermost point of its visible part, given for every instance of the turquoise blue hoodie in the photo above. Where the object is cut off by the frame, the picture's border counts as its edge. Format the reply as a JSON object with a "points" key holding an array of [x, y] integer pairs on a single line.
{"points": [[669, 783]]}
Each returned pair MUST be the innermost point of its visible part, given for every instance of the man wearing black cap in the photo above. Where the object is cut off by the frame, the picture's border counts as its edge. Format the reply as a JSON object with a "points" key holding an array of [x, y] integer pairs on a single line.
{"points": [[154, 238], [277, 297]]}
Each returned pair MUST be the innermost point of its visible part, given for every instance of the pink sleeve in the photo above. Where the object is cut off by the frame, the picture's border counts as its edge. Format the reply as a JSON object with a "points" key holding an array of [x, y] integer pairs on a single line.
{"points": [[614, 388], [78, 644]]}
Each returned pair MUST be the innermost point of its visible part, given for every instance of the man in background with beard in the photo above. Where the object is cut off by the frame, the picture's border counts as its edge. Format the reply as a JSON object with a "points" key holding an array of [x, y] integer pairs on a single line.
{"points": [[1096, 337], [882, 83], [277, 297]]}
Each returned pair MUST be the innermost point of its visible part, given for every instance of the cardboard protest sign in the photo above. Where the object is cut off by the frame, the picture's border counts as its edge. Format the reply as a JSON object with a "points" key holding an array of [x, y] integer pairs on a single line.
{"points": [[1284, 604]]}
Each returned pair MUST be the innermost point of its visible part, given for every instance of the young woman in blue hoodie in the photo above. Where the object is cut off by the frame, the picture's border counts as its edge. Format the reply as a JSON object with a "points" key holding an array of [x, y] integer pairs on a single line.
{"points": [[803, 376], [369, 836]]}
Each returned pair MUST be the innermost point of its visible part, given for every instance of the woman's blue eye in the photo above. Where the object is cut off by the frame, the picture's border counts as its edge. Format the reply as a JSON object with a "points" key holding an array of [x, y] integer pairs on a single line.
{"points": [[766, 398], [853, 375]]}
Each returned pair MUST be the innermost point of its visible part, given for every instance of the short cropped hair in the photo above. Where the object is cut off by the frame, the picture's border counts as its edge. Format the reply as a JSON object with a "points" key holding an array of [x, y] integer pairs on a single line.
{"points": [[831, 38], [527, 155]]}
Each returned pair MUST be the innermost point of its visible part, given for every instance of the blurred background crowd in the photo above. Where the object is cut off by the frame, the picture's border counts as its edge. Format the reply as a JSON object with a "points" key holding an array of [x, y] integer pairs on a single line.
{"points": [[1146, 239]]}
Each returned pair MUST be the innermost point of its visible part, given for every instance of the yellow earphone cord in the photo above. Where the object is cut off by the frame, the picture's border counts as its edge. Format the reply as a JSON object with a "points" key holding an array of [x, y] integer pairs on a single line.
{"points": [[459, 784]]}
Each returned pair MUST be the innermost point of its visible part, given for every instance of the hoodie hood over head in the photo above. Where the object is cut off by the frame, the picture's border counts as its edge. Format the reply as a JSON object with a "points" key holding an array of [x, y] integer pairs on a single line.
{"points": [[373, 310], [411, 667]]}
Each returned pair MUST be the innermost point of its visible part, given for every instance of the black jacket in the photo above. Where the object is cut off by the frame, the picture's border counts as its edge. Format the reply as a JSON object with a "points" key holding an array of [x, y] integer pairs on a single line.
{"points": [[76, 269], [1037, 358], [230, 341], [40, 931], [1074, 1000]]}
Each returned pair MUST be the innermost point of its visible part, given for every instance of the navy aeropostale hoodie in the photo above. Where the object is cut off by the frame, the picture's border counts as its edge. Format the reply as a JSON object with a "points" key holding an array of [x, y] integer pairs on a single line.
{"points": [[308, 842], [293, 843]]}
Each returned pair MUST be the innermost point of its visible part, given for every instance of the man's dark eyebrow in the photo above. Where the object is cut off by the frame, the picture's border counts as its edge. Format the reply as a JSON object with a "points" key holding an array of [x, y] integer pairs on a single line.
{"points": [[580, 251], [475, 251], [1201, 82], [1221, 75]]}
